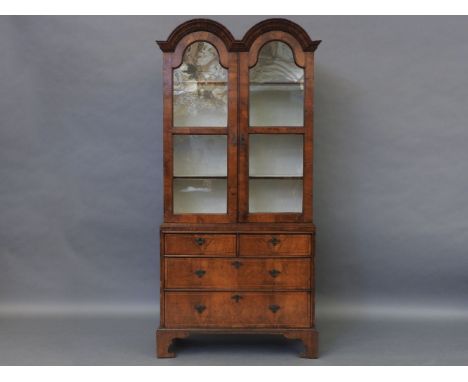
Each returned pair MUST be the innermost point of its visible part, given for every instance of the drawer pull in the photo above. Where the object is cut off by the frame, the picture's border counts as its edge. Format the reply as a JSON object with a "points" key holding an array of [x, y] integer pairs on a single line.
{"points": [[274, 273], [200, 308], [236, 297], [236, 264], [274, 241], [200, 240], [200, 273], [274, 308]]}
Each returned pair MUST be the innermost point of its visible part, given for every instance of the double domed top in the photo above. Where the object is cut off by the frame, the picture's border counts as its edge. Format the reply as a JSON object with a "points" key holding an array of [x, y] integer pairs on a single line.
{"points": [[207, 25]]}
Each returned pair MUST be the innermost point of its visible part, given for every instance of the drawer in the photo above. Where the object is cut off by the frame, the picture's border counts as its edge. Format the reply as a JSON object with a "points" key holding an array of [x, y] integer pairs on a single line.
{"points": [[200, 244], [235, 273], [271, 245], [237, 309]]}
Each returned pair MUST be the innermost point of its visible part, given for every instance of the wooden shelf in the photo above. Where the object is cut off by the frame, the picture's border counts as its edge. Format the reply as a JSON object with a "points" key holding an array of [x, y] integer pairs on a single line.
{"points": [[256, 83], [199, 130], [276, 177], [204, 82], [276, 130], [201, 177]]}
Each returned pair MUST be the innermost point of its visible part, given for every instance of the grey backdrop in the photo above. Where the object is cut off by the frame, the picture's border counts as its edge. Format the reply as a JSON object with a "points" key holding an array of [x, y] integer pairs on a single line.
{"points": [[81, 182]]}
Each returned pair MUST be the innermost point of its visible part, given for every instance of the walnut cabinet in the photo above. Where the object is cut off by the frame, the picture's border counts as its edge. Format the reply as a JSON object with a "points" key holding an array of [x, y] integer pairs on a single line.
{"points": [[237, 242]]}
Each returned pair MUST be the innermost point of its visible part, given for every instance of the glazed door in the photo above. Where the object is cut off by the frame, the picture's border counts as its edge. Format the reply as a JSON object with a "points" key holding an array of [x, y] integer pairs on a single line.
{"points": [[200, 139], [275, 178]]}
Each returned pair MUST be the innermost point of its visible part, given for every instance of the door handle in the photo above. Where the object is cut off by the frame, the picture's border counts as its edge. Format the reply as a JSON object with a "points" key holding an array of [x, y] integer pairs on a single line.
{"points": [[200, 240], [200, 273], [200, 308], [236, 297], [274, 308], [274, 273], [274, 241]]}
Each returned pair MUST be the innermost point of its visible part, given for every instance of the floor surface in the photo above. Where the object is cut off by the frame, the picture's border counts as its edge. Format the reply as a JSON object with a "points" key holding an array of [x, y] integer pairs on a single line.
{"points": [[129, 340]]}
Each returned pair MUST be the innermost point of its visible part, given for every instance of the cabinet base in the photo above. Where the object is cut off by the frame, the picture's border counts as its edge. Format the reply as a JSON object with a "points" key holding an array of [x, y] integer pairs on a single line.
{"points": [[165, 338]]}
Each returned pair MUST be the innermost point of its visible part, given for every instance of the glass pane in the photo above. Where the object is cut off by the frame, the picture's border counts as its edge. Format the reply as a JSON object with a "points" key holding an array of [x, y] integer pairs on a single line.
{"points": [[275, 155], [275, 195], [276, 88], [200, 88], [200, 196], [200, 155]]}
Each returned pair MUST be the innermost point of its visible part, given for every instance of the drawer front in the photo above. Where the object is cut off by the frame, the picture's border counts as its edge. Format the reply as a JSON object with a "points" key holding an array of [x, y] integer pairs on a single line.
{"points": [[235, 273], [271, 245], [237, 309], [200, 244]]}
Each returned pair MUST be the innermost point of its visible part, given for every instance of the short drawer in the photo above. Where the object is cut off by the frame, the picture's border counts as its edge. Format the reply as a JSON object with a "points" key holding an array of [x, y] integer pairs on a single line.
{"points": [[235, 273], [200, 244], [271, 245], [237, 309]]}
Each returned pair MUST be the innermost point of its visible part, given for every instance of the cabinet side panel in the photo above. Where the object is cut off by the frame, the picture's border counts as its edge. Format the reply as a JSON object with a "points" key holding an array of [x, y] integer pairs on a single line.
{"points": [[167, 136], [243, 191], [312, 282], [233, 136], [162, 272], [308, 137]]}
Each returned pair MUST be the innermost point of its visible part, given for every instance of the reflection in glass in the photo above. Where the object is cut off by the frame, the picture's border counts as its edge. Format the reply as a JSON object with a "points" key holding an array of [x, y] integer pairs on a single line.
{"points": [[276, 88], [200, 88], [275, 195], [275, 155], [200, 196], [200, 155]]}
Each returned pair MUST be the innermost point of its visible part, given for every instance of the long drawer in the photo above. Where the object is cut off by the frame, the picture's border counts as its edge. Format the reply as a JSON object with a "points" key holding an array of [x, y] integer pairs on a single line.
{"points": [[200, 244], [235, 310], [275, 245], [236, 273]]}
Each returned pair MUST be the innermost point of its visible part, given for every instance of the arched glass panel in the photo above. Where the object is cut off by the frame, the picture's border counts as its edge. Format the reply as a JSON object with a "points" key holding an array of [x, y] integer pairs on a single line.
{"points": [[276, 88], [200, 88]]}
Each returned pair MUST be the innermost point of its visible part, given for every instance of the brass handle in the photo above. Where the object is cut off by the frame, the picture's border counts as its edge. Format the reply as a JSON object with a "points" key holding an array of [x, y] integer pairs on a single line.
{"points": [[200, 272], [274, 241], [200, 240], [274, 273], [236, 297], [236, 264], [200, 308], [274, 308]]}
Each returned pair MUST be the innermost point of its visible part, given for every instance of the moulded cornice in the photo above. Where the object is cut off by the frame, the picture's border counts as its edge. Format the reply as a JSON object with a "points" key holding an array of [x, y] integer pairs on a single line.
{"points": [[233, 45], [197, 25], [284, 25]]}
